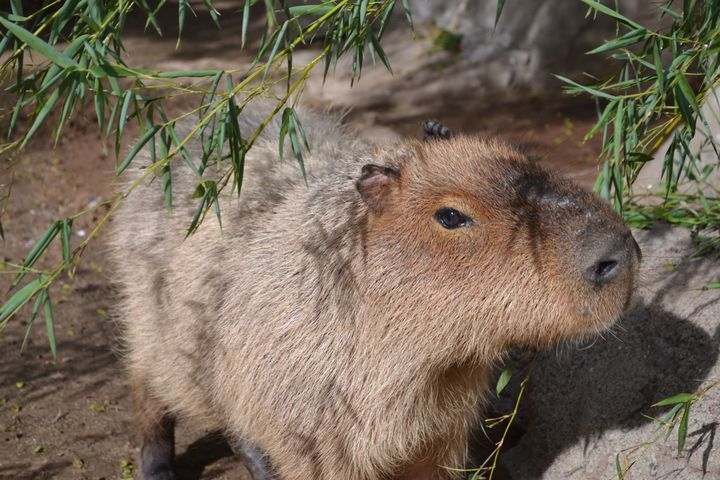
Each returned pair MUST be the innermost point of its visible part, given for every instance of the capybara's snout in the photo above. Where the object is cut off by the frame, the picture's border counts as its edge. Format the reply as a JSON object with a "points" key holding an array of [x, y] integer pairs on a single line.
{"points": [[607, 258]]}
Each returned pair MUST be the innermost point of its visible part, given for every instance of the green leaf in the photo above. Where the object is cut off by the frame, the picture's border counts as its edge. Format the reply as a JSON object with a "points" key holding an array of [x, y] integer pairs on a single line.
{"points": [[182, 7], [56, 71], [618, 469], [504, 379], [682, 431], [36, 308], [186, 73], [687, 91], [127, 98], [170, 129], [669, 418], [151, 20], [686, 110], [408, 13], [381, 53], [107, 70], [611, 13], [245, 21], [498, 11], [273, 52], [149, 134], [629, 38], [584, 88], [618, 132], [40, 46], [18, 299], [204, 192], [659, 70], [65, 241], [167, 187], [39, 247], [99, 100], [319, 9], [50, 324], [213, 12], [679, 398], [602, 121], [41, 116]]}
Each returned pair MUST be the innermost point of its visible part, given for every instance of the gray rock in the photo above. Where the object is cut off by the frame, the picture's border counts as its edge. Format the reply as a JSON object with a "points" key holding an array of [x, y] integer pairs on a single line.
{"points": [[587, 405]]}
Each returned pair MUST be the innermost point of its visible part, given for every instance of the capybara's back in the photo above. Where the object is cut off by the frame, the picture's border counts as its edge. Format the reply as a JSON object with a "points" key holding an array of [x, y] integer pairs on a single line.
{"points": [[347, 327]]}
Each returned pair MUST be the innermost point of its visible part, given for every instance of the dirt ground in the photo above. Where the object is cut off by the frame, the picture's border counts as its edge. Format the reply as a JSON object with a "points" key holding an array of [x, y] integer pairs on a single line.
{"points": [[71, 418]]}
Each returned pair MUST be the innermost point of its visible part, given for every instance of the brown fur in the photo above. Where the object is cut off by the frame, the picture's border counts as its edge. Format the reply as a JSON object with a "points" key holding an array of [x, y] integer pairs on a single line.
{"points": [[338, 326]]}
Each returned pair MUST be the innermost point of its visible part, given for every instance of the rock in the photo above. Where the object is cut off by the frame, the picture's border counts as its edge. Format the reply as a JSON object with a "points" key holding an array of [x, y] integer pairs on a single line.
{"points": [[587, 405]]}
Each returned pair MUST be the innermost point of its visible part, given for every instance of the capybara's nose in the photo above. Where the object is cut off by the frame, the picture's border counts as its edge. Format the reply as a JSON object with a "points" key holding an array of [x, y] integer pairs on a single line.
{"points": [[609, 257]]}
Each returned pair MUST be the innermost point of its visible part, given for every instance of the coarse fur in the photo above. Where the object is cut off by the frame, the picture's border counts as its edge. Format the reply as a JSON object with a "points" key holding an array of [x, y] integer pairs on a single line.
{"points": [[337, 325]]}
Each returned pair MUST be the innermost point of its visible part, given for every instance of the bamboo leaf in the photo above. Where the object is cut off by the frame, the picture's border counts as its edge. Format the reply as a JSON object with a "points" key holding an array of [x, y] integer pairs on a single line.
{"points": [[50, 324], [40, 46], [40, 246], [503, 380], [611, 13], [381, 53], [408, 13], [147, 136], [167, 187], [41, 116], [39, 298], [19, 299], [213, 12], [127, 98], [182, 7], [659, 71], [245, 22], [187, 73], [280, 37], [586, 89], [687, 91], [628, 39], [679, 398], [65, 241], [682, 430], [318, 9], [498, 11]]}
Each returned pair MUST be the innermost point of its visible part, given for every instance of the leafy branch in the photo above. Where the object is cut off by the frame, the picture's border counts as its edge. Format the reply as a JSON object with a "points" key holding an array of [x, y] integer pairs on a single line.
{"points": [[665, 78], [89, 67]]}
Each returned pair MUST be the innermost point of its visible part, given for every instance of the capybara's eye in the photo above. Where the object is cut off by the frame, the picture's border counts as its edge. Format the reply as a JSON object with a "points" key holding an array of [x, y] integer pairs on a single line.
{"points": [[451, 218]]}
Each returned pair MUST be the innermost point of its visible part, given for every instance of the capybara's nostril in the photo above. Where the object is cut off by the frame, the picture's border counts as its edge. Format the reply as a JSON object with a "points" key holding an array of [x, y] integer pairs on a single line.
{"points": [[606, 255], [602, 272]]}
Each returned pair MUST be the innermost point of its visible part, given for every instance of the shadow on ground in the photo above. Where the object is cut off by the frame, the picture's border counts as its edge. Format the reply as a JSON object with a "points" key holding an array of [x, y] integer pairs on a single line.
{"points": [[577, 394]]}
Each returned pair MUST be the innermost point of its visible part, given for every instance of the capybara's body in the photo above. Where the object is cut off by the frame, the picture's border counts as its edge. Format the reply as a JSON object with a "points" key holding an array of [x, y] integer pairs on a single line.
{"points": [[348, 327]]}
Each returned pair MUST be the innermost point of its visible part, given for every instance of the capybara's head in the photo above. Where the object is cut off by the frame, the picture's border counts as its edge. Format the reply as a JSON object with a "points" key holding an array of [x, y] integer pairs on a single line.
{"points": [[469, 234]]}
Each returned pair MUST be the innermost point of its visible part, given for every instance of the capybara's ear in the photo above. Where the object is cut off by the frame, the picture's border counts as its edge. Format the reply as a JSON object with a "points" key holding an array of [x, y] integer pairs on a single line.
{"points": [[375, 185], [435, 130]]}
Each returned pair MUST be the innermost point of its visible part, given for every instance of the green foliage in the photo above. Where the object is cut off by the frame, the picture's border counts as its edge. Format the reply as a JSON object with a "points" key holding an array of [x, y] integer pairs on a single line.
{"points": [[665, 76], [64, 56]]}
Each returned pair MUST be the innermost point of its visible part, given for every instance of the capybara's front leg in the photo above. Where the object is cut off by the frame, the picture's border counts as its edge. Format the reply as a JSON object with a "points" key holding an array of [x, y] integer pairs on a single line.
{"points": [[156, 429], [255, 459]]}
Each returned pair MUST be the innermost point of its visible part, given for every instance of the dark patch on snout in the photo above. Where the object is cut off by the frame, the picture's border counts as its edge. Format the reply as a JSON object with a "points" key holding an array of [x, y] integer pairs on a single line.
{"points": [[533, 199]]}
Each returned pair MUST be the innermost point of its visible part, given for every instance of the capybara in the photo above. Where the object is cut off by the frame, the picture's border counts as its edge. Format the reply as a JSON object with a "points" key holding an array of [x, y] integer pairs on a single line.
{"points": [[346, 327]]}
